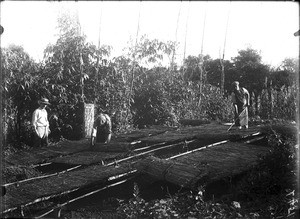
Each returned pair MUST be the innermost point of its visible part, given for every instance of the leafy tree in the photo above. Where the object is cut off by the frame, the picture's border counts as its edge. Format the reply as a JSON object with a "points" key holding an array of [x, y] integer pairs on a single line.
{"points": [[18, 70], [65, 71], [252, 72], [285, 75], [192, 68], [213, 68], [150, 52], [144, 53], [78, 72], [73, 70]]}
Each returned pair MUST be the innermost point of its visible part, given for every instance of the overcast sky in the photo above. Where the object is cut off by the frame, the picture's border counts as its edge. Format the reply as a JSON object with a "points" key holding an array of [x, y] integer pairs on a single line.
{"points": [[265, 26]]}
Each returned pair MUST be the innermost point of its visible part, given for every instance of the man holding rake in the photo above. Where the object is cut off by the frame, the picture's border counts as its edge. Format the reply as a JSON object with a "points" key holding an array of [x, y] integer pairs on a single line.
{"points": [[241, 101]]}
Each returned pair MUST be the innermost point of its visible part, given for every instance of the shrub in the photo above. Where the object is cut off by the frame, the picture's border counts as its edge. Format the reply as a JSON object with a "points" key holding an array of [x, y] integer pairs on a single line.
{"points": [[269, 186], [181, 205], [215, 105], [16, 173], [283, 104]]}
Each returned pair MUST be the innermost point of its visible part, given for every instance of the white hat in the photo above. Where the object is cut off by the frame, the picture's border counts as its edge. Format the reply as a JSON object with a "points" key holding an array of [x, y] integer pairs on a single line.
{"points": [[44, 101]]}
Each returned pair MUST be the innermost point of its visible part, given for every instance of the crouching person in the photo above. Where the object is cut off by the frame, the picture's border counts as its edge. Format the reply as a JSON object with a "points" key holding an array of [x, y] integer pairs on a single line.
{"points": [[101, 132]]}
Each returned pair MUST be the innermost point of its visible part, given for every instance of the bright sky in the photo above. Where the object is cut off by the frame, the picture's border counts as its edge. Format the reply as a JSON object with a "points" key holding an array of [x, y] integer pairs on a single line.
{"points": [[265, 26]]}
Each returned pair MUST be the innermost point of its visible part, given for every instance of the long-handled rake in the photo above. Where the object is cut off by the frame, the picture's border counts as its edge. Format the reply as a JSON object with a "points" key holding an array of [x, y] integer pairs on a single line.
{"points": [[235, 120]]}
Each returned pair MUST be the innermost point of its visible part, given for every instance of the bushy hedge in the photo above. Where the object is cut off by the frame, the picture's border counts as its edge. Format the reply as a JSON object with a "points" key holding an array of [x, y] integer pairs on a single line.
{"points": [[163, 97]]}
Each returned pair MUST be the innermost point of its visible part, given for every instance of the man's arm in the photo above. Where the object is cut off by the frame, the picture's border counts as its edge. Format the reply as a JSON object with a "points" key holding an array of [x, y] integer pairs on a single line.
{"points": [[94, 129], [47, 126], [109, 127], [248, 97]]}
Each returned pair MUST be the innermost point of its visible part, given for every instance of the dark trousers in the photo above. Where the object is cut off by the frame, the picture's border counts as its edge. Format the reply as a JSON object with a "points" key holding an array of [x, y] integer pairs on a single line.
{"points": [[40, 142], [101, 137]]}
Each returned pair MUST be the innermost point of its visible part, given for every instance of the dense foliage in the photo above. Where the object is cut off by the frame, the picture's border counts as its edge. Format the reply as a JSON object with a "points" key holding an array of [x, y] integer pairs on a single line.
{"points": [[135, 88]]}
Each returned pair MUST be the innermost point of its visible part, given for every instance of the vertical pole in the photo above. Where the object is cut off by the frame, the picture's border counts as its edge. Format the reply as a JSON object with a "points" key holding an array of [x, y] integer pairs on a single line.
{"points": [[80, 56], [133, 67], [222, 58], [201, 61], [100, 21], [98, 56], [186, 29], [82, 103], [173, 57]]}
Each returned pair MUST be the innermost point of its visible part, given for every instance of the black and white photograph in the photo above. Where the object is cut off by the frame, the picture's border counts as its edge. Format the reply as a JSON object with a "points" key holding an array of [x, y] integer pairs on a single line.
{"points": [[149, 109]]}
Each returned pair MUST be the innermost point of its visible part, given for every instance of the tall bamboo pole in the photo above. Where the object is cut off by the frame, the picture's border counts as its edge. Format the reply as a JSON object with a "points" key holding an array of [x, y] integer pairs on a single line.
{"points": [[176, 31], [223, 55], [186, 30], [82, 104], [98, 57], [201, 61], [80, 56], [134, 59], [100, 21]]}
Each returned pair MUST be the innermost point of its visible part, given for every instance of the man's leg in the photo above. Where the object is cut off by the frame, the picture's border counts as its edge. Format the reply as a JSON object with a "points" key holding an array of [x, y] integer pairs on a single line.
{"points": [[45, 141], [101, 138], [240, 110], [37, 141]]}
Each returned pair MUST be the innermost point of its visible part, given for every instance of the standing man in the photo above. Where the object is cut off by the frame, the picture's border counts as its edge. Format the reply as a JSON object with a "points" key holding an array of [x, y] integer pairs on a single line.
{"points": [[40, 123], [241, 101], [101, 131]]}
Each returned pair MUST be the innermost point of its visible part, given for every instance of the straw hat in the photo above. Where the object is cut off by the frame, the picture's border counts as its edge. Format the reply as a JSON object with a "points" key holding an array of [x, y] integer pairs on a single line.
{"points": [[235, 83], [44, 101]]}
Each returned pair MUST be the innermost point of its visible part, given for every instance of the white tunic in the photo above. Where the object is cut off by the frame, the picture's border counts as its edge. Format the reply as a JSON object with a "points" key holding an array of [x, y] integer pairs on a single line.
{"points": [[40, 122]]}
